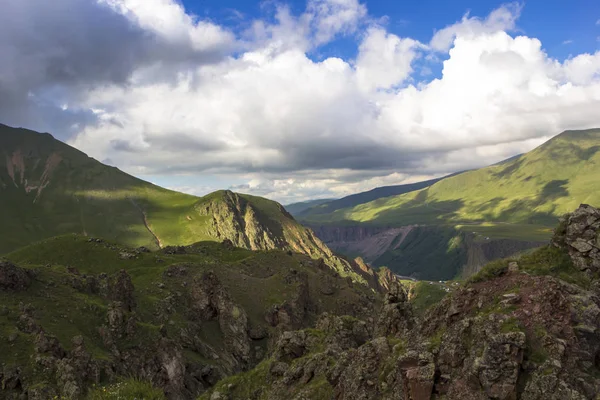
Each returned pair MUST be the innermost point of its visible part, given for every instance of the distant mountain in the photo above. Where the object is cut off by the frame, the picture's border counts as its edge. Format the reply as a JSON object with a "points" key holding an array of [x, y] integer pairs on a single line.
{"points": [[492, 212], [360, 198], [532, 190], [297, 208], [48, 188]]}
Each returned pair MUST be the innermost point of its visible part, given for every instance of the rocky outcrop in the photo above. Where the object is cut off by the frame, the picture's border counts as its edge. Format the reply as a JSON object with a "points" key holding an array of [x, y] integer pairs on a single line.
{"points": [[210, 301], [235, 220], [13, 277], [579, 233], [395, 317]]}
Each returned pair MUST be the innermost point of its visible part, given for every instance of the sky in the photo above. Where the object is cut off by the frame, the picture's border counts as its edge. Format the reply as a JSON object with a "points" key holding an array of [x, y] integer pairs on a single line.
{"points": [[297, 100]]}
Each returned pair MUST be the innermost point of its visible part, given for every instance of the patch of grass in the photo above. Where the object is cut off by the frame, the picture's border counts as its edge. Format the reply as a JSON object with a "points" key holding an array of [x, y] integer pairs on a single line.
{"points": [[436, 340], [511, 325], [129, 389], [246, 385], [550, 260], [425, 295], [490, 271]]}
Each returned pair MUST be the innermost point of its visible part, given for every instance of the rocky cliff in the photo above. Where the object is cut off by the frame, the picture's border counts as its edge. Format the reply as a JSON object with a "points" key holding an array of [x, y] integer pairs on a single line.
{"points": [[259, 224], [527, 328], [77, 312], [424, 252]]}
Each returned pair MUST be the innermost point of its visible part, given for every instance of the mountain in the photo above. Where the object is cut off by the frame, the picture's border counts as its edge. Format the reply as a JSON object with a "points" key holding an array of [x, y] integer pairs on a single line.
{"points": [[359, 198], [524, 328], [48, 188], [298, 208], [491, 212], [528, 192]]}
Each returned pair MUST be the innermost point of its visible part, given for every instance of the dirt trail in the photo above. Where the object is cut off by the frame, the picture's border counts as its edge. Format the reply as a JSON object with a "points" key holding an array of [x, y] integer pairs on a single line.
{"points": [[145, 219]]}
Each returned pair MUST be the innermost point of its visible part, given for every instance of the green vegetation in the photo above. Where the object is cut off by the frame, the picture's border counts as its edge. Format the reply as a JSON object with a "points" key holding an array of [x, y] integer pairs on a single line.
{"points": [[436, 340], [520, 198], [424, 295], [547, 260], [511, 325], [131, 389], [297, 208], [48, 188], [245, 385], [326, 207], [254, 280]]}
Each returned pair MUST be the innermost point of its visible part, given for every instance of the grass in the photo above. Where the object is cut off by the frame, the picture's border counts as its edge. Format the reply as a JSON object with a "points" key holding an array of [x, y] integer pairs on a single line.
{"points": [[83, 196], [130, 389], [425, 295], [547, 260], [246, 385], [253, 280], [521, 198]]}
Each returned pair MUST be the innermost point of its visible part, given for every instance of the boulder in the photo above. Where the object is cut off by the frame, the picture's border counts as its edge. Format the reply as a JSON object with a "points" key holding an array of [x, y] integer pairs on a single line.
{"points": [[13, 277]]}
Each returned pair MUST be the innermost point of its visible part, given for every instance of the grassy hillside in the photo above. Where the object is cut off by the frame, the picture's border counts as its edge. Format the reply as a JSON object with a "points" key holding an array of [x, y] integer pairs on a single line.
{"points": [[360, 198], [298, 208], [48, 188], [520, 198], [194, 308]]}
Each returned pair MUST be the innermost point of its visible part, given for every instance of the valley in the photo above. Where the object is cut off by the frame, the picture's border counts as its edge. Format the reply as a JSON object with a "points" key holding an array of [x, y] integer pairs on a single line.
{"points": [[489, 213], [110, 284]]}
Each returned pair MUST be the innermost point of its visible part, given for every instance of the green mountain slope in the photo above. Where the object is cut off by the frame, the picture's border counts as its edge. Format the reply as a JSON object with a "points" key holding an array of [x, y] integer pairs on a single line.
{"points": [[519, 198], [354, 200], [48, 188], [297, 208]]}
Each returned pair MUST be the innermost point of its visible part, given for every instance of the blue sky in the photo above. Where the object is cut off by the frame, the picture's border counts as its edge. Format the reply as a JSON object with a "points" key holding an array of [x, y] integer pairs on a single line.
{"points": [[551, 21], [294, 100]]}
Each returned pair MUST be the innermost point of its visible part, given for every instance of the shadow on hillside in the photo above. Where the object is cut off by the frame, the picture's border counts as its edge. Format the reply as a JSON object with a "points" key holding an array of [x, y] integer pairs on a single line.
{"points": [[509, 169], [421, 211]]}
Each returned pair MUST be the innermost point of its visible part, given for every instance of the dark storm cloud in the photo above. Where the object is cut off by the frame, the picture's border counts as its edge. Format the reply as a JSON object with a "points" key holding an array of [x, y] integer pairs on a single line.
{"points": [[74, 45]]}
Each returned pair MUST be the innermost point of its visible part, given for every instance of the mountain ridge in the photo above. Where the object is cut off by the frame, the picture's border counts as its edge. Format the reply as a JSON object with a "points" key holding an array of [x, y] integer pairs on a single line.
{"points": [[49, 188]]}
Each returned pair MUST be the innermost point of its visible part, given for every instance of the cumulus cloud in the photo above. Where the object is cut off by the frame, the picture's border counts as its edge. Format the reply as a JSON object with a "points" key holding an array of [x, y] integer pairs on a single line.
{"points": [[260, 108], [503, 18]]}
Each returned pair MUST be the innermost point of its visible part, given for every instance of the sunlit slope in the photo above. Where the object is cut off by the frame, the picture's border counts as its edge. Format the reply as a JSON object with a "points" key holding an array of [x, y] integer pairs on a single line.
{"points": [[530, 190], [48, 188]]}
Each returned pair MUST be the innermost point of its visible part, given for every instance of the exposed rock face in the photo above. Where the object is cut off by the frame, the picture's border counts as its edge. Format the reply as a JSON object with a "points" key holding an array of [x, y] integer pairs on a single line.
{"points": [[238, 223], [209, 301], [395, 318], [13, 277], [580, 233], [120, 288]]}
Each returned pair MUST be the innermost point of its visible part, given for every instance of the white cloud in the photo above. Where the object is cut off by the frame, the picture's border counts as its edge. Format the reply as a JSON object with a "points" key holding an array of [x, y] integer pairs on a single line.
{"points": [[266, 113], [384, 59], [501, 19], [331, 17], [169, 19]]}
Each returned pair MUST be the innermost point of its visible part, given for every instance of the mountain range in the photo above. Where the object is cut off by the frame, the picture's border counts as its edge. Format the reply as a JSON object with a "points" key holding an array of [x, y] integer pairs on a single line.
{"points": [[114, 288], [48, 188], [462, 221]]}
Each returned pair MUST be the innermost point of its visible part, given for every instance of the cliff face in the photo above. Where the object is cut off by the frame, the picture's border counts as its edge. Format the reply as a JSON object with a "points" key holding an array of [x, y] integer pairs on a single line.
{"points": [[526, 329], [259, 224], [425, 252]]}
